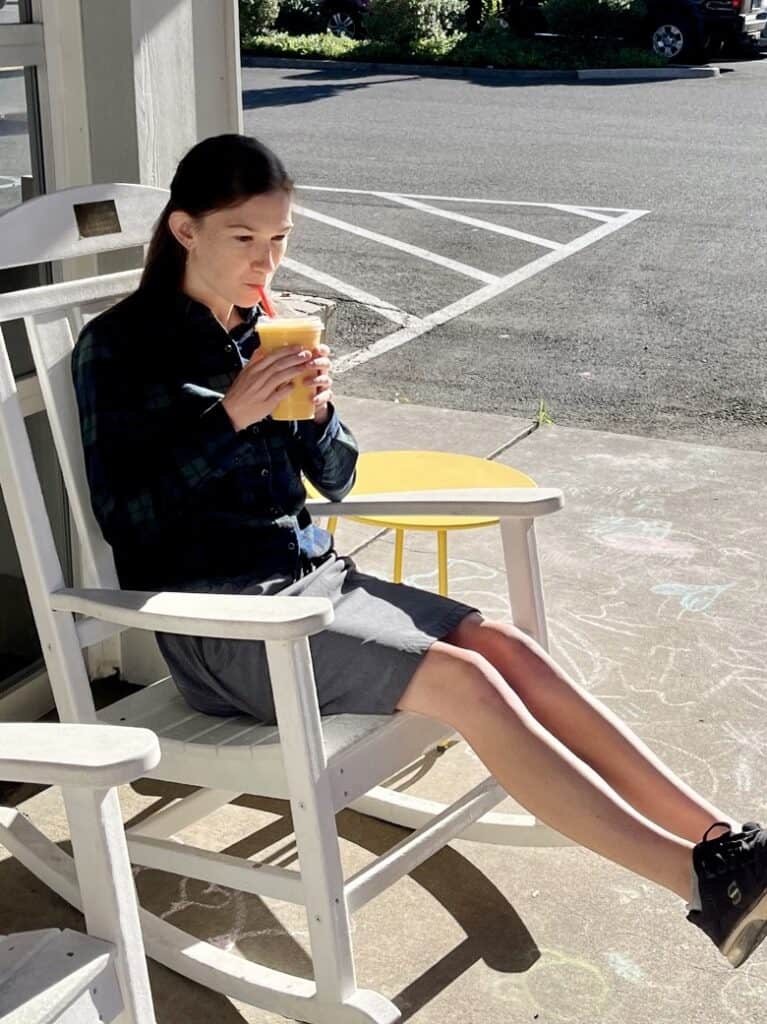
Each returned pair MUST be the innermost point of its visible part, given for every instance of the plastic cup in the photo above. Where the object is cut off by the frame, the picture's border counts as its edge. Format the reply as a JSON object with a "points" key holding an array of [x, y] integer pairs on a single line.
{"points": [[280, 332]]}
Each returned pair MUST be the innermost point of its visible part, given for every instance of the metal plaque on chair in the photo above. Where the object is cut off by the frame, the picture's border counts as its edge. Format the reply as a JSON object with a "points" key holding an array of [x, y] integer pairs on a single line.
{"points": [[98, 218]]}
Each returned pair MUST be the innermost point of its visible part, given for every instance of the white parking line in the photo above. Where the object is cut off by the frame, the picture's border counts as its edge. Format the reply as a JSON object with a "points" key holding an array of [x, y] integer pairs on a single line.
{"points": [[442, 316], [386, 309], [394, 243], [486, 225], [411, 327], [597, 212], [583, 211]]}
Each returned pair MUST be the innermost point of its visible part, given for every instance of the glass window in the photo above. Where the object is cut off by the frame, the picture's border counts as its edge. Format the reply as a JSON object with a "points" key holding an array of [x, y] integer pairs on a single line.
{"points": [[21, 178], [12, 12], [19, 645], [15, 153]]}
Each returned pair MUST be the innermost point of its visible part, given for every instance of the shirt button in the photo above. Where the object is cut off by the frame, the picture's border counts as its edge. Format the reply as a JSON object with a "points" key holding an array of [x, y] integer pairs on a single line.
{"points": [[275, 511], [291, 547], [264, 472], [229, 347], [253, 428]]}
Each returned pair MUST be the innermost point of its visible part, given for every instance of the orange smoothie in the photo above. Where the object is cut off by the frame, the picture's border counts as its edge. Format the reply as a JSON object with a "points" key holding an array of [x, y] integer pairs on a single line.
{"points": [[279, 332]]}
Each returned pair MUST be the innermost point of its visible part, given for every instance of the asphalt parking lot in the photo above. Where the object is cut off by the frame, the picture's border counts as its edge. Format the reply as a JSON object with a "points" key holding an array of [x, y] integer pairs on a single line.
{"points": [[503, 287]]}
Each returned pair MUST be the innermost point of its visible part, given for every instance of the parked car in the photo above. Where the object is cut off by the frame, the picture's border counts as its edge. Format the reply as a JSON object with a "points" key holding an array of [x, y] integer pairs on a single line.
{"points": [[689, 30], [341, 17], [680, 30], [344, 17]]}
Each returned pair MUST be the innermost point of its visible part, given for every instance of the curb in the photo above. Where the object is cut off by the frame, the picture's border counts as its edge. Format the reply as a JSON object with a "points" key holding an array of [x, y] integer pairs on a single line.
{"points": [[491, 74], [250, 60], [645, 74]]}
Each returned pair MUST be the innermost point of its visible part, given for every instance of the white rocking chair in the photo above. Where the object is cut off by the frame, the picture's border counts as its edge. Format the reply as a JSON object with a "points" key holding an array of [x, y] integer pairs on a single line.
{"points": [[52, 975], [320, 765]]}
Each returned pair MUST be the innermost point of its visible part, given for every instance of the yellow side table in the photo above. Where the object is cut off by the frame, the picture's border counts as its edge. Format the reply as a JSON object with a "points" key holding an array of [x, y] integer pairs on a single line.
{"points": [[387, 472]]}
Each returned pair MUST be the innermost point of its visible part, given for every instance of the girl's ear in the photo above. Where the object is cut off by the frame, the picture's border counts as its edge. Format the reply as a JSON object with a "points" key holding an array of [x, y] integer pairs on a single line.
{"points": [[182, 227]]}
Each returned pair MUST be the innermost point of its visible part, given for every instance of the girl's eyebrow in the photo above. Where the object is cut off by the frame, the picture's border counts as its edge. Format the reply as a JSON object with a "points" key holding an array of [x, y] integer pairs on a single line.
{"points": [[247, 227]]}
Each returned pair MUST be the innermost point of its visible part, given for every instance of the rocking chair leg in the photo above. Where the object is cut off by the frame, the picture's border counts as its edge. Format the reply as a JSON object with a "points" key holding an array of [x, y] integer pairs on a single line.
{"points": [[107, 891], [314, 824]]}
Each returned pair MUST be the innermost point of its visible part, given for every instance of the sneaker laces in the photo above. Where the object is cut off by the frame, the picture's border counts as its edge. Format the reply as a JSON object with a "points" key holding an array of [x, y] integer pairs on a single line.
{"points": [[730, 850]]}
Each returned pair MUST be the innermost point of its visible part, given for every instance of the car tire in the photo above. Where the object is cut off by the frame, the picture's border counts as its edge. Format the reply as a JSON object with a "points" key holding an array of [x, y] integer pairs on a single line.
{"points": [[677, 39], [341, 22]]}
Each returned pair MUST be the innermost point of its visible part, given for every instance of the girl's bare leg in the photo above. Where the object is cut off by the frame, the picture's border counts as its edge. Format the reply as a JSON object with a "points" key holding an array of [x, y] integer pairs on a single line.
{"points": [[462, 689], [591, 730]]}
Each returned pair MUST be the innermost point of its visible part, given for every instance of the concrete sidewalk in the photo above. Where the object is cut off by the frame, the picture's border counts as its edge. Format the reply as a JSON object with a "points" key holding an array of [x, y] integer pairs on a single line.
{"points": [[654, 581]]}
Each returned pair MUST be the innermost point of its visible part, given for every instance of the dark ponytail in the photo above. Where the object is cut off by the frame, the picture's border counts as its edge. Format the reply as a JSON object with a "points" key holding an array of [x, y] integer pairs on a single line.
{"points": [[218, 172]]}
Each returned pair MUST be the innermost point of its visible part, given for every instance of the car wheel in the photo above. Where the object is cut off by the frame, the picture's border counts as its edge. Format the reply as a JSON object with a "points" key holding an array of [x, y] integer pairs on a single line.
{"points": [[676, 40], [342, 23]]}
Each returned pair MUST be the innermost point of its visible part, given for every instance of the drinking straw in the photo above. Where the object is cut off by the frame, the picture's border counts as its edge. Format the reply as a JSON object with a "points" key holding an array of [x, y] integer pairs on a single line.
{"points": [[265, 301]]}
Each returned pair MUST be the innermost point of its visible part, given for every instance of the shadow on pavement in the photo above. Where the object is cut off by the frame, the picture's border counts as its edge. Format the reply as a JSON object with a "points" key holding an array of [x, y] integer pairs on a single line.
{"points": [[323, 83], [283, 97], [494, 931]]}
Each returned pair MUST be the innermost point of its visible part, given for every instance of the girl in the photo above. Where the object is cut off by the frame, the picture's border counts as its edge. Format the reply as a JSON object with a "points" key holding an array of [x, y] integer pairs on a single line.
{"points": [[196, 488]]}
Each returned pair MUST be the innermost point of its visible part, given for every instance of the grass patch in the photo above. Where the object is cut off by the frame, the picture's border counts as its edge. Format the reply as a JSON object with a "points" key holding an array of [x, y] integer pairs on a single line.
{"points": [[496, 48]]}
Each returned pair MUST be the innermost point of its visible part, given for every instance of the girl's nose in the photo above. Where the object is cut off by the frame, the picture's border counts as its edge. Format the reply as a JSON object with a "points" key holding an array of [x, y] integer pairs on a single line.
{"points": [[263, 261]]}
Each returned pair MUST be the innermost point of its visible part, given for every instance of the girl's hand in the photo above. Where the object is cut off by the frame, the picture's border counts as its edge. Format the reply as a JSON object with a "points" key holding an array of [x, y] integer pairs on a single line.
{"points": [[262, 383], [322, 380]]}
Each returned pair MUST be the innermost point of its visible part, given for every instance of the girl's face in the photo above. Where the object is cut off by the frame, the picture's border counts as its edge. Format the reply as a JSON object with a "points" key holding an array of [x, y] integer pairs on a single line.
{"points": [[233, 250]]}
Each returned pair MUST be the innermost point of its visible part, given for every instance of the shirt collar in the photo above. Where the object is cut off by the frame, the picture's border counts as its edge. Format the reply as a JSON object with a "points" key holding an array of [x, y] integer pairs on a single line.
{"points": [[192, 311]]}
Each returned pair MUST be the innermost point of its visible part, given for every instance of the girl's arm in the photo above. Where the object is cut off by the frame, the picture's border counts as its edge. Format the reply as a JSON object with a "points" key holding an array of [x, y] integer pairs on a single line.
{"points": [[149, 451], [327, 455]]}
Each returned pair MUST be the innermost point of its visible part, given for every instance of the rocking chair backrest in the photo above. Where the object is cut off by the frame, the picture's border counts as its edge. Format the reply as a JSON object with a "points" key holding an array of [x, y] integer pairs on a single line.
{"points": [[53, 316]]}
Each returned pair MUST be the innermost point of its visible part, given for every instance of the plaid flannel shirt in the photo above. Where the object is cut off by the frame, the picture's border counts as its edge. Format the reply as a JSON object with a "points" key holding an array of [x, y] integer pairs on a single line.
{"points": [[181, 496]]}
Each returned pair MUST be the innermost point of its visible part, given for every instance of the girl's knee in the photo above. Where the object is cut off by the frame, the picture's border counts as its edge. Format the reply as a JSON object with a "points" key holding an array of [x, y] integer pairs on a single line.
{"points": [[452, 683]]}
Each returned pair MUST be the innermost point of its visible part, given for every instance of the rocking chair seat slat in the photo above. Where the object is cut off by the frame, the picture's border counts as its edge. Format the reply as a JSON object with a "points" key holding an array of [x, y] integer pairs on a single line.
{"points": [[201, 749]]}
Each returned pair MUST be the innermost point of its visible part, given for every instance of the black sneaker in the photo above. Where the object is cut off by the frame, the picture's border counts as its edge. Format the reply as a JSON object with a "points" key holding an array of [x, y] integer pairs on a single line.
{"points": [[732, 876]]}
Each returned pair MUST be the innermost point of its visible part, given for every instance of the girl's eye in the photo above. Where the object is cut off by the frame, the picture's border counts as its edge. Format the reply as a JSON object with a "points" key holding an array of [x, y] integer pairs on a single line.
{"points": [[279, 238], [244, 238]]}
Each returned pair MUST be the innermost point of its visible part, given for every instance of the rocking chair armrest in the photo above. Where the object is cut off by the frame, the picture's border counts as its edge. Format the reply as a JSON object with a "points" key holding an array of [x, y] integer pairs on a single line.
{"points": [[95, 756], [231, 616], [501, 502]]}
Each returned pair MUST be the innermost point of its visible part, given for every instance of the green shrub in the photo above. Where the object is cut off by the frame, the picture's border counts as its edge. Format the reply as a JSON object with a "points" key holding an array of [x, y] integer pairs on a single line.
{"points": [[492, 47], [479, 12], [322, 45], [256, 16], [404, 22]]}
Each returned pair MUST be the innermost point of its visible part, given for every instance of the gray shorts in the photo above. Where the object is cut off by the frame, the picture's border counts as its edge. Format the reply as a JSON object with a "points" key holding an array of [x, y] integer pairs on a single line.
{"points": [[362, 662]]}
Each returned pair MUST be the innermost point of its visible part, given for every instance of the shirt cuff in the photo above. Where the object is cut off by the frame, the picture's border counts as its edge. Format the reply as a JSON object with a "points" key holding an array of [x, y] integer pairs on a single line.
{"points": [[321, 435], [222, 443]]}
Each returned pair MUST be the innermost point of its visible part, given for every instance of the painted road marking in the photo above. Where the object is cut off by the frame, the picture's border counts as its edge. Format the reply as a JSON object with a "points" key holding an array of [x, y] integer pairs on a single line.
{"points": [[386, 309], [611, 219], [486, 225], [597, 212], [395, 243]]}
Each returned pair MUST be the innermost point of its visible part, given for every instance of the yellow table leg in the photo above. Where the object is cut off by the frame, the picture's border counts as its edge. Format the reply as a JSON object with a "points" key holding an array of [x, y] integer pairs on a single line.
{"points": [[449, 741], [399, 552], [442, 558], [332, 524]]}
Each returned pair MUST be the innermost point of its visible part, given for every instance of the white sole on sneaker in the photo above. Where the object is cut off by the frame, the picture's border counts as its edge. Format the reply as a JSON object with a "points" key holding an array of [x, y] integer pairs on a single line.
{"points": [[747, 934]]}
